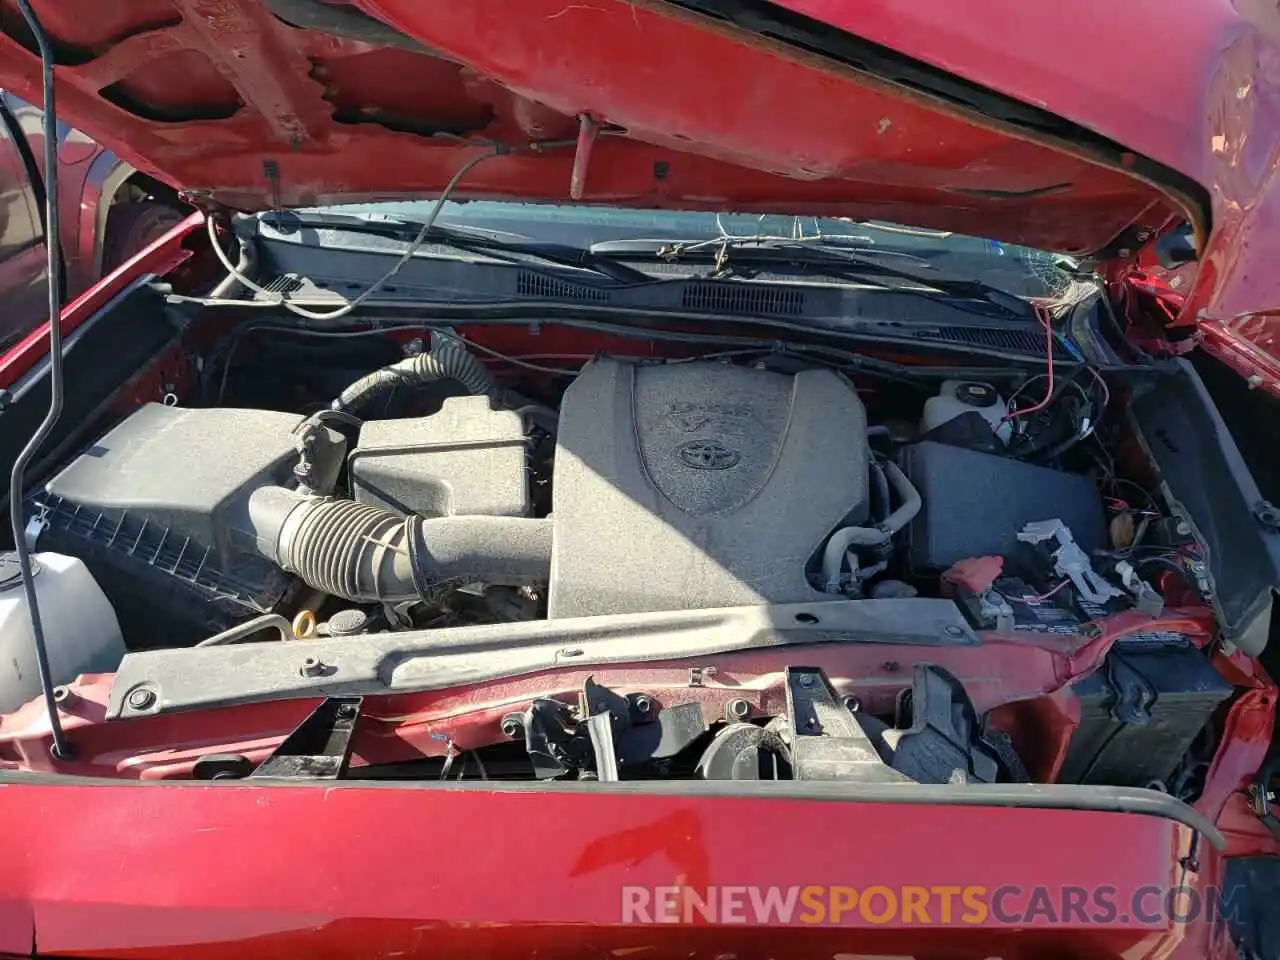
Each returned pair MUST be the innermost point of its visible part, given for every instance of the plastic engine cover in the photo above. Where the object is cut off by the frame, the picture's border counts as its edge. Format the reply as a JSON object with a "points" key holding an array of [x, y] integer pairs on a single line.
{"points": [[700, 485]]}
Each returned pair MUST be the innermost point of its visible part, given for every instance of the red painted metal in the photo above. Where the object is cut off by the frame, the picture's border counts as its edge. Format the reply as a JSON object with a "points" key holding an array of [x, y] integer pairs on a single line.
{"points": [[223, 870], [202, 94], [400, 727], [1245, 740], [1208, 105], [713, 122]]}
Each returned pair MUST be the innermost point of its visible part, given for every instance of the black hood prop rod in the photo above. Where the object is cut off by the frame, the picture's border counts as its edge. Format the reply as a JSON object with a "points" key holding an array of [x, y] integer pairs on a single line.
{"points": [[61, 749]]}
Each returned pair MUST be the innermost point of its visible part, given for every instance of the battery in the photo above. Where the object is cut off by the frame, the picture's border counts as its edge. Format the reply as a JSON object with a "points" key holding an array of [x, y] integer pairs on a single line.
{"points": [[1140, 712]]}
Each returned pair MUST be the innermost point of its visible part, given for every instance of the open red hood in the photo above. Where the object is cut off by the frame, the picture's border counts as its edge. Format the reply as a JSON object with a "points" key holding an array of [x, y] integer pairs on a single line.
{"points": [[1075, 126], [265, 102]]}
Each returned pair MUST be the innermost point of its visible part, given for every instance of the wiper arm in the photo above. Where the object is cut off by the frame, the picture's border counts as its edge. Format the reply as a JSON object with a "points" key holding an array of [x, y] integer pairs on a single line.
{"points": [[472, 240], [827, 253]]}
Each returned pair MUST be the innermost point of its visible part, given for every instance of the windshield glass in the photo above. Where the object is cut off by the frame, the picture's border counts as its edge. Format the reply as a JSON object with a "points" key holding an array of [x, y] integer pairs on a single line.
{"points": [[1018, 270]]}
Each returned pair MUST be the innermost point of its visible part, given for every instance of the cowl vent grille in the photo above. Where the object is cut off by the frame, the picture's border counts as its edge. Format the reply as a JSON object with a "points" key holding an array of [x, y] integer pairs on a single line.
{"points": [[741, 298], [1021, 341], [540, 285]]}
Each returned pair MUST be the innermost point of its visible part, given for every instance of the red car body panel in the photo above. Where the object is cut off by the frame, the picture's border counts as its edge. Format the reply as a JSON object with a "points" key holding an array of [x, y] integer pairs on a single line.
{"points": [[220, 870], [232, 103], [224, 100]]}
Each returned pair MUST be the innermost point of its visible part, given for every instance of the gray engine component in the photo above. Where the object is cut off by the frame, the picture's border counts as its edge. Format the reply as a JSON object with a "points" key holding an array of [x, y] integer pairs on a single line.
{"points": [[157, 509], [466, 460], [975, 503], [700, 485]]}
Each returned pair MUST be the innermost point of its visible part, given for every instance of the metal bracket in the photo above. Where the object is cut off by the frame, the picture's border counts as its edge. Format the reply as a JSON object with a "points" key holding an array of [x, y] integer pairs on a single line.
{"points": [[1267, 515], [607, 733], [1261, 797], [827, 741], [1260, 800], [320, 747], [551, 740], [588, 130], [271, 170]]}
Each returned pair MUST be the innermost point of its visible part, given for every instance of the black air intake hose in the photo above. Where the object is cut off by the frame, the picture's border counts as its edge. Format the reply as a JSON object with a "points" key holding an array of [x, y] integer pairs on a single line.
{"points": [[369, 554], [448, 360]]}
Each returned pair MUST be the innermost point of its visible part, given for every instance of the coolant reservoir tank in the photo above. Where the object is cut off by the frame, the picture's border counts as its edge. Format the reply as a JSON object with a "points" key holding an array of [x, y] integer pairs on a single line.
{"points": [[960, 397], [81, 632]]}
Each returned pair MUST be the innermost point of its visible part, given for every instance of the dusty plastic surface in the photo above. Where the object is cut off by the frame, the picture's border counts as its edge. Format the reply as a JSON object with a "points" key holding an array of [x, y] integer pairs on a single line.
{"points": [[186, 470], [158, 508], [694, 485], [80, 628], [468, 459], [976, 503]]}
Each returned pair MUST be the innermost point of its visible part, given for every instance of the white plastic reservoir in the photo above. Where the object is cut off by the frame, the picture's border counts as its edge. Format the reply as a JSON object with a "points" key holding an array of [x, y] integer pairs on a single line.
{"points": [[80, 628], [959, 397]]}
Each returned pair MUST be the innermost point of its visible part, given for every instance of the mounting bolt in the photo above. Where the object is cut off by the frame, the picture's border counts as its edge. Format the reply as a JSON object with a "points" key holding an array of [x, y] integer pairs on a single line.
{"points": [[1267, 515], [141, 699], [346, 711], [61, 694], [512, 726], [644, 705], [953, 631], [737, 709], [311, 667], [806, 680], [853, 704]]}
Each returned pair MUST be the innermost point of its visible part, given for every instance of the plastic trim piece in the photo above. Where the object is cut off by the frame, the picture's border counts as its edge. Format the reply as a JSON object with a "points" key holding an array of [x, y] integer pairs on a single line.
{"points": [[436, 659]]}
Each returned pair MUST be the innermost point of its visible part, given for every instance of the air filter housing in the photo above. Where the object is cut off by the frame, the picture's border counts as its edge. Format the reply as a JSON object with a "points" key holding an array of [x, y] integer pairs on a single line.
{"points": [[156, 510]]}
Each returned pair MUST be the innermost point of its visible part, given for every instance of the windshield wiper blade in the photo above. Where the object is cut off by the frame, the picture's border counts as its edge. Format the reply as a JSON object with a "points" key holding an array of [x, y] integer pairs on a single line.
{"points": [[814, 251], [473, 240]]}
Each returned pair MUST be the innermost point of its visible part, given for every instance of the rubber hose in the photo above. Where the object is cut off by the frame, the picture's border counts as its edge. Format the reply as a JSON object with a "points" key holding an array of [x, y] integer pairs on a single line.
{"points": [[880, 503], [229, 287], [446, 361], [366, 553], [846, 537]]}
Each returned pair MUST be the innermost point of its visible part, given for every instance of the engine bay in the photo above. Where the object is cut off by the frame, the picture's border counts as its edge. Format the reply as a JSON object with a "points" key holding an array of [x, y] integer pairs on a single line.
{"points": [[421, 489]]}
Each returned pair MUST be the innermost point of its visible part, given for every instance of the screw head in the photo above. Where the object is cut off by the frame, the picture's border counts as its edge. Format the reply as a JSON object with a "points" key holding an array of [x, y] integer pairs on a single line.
{"points": [[512, 725], [61, 694], [806, 680], [311, 667], [737, 709], [141, 699], [346, 711], [953, 631]]}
